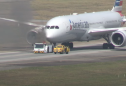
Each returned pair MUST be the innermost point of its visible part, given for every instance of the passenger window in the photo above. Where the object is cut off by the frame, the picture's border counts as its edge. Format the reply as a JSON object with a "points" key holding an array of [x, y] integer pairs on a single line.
{"points": [[47, 27], [52, 27], [56, 27]]}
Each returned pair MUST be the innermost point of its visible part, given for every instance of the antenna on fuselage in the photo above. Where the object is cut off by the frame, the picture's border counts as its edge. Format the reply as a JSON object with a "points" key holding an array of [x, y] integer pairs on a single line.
{"points": [[75, 13]]}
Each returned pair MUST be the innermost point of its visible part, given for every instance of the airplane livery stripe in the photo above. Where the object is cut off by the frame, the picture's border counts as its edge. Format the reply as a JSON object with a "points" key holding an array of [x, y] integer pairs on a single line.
{"points": [[118, 6], [117, 3], [121, 3]]}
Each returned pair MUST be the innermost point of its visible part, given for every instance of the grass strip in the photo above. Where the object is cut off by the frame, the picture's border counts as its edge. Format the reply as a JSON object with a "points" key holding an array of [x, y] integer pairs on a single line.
{"points": [[87, 74], [47, 9]]}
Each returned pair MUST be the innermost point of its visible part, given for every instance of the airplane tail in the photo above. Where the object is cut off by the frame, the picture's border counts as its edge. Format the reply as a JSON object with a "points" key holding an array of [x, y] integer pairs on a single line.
{"points": [[118, 6]]}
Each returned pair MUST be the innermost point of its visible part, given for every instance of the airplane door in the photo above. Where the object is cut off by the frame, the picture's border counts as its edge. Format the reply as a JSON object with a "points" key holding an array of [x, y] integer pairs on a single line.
{"points": [[66, 27]]}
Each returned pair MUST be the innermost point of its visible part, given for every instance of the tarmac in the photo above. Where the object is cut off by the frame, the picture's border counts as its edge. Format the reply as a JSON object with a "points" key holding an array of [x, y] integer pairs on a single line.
{"points": [[82, 54]]}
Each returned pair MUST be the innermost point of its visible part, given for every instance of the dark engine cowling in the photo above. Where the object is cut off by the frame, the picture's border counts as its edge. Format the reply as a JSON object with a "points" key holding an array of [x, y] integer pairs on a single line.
{"points": [[118, 38], [36, 35]]}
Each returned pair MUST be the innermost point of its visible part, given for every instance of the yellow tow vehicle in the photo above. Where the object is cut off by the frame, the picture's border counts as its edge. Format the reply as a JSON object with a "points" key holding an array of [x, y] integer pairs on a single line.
{"points": [[61, 49]]}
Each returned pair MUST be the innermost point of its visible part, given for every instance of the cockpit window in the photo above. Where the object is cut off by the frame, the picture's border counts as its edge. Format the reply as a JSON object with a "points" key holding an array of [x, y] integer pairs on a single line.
{"points": [[47, 27], [52, 27], [56, 27]]}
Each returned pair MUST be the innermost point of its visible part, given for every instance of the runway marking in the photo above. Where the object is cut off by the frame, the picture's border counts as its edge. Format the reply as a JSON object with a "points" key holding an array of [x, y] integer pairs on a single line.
{"points": [[31, 56]]}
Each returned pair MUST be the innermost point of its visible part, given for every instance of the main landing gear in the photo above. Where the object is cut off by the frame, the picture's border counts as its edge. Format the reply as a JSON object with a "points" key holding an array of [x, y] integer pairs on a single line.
{"points": [[108, 45], [68, 44]]}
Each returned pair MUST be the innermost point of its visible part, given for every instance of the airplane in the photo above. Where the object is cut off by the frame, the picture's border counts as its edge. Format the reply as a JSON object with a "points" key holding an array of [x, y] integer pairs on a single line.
{"points": [[83, 27]]}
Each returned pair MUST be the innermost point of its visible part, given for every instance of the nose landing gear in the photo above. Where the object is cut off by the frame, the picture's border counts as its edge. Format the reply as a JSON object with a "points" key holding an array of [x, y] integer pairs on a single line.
{"points": [[68, 44]]}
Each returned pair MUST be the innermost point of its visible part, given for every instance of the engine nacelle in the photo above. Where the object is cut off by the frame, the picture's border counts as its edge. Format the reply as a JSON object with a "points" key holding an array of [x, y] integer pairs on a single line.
{"points": [[118, 38], [36, 35]]}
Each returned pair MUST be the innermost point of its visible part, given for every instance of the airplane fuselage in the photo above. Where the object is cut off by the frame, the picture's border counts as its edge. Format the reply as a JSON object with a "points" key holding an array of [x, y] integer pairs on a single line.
{"points": [[76, 27]]}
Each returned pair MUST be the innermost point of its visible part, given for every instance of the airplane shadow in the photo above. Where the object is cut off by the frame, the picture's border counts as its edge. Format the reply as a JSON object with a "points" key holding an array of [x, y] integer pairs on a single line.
{"points": [[92, 47], [119, 49], [97, 47]]}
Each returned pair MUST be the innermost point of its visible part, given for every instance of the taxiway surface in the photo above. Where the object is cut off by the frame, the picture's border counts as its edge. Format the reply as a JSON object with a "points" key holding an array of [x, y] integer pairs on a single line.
{"points": [[85, 54]]}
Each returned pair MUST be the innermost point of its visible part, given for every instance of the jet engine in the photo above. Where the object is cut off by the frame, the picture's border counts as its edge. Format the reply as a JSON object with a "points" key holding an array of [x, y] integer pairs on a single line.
{"points": [[36, 35], [118, 38]]}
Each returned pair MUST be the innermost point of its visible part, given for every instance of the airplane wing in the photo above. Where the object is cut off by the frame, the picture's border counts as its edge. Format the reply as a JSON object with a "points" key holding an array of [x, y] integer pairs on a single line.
{"points": [[104, 31], [27, 23]]}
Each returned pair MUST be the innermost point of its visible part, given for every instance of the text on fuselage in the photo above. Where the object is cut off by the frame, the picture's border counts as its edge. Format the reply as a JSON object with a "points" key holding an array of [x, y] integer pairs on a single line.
{"points": [[80, 25]]}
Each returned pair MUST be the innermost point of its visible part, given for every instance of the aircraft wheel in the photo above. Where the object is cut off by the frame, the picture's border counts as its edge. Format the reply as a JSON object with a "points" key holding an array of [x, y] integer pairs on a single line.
{"points": [[111, 46], [48, 50], [105, 46], [71, 45], [52, 49]]}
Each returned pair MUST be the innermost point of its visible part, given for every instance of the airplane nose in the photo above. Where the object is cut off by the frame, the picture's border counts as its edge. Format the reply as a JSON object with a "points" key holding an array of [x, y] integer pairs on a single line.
{"points": [[51, 36]]}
